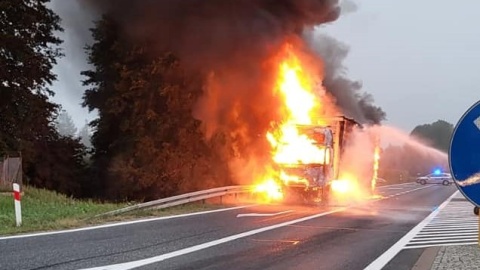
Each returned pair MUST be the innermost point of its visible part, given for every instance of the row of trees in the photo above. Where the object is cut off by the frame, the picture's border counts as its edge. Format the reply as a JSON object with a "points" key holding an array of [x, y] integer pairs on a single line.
{"points": [[146, 143]]}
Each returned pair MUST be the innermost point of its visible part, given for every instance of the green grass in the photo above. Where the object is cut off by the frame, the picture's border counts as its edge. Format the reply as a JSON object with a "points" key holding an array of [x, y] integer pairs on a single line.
{"points": [[44, 210]]}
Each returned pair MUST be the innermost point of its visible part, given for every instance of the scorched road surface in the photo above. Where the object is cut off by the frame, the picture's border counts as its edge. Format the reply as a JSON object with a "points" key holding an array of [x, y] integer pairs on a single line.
{"points": [[257, 237]]}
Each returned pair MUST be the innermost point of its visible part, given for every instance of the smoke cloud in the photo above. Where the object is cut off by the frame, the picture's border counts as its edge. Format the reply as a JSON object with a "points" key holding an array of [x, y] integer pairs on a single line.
{"points": [[348, 6], [348, 93]]}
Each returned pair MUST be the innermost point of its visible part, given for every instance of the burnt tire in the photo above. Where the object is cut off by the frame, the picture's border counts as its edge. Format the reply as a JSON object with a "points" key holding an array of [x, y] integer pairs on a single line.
{"points": [[475, 210], [423, 182]]}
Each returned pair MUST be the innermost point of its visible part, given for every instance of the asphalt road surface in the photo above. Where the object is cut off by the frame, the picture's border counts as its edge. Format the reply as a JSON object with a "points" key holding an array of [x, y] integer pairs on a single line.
{"points": [[254, 237]]}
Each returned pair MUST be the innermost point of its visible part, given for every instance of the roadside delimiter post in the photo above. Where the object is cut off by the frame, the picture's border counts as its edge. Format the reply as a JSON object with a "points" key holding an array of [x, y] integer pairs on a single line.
{"points": [[18, 208]]}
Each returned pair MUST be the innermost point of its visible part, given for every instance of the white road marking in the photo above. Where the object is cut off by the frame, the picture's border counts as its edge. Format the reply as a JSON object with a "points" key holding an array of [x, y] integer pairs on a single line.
{"points": [[130, 222], [388, 255], [401, 193], [122, 223], [263, 214], [156, 259], [477, 122], [160, 258], [454, 225]]}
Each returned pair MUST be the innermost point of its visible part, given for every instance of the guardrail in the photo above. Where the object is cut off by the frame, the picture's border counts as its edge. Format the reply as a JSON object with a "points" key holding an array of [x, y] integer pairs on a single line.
{"points": [[183, 199]]}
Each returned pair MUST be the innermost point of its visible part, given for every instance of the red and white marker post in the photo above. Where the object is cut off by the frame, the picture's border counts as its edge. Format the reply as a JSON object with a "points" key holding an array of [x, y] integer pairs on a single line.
{"points": [[18, 207]]}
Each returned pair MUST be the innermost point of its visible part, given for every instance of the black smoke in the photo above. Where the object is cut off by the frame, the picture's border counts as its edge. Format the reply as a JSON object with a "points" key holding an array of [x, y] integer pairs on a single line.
{"points": [[348, 93], [234, 36]]}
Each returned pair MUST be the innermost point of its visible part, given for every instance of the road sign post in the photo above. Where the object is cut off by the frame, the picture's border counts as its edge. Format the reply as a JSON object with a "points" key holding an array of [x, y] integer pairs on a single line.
{"points": [[464, 156]]}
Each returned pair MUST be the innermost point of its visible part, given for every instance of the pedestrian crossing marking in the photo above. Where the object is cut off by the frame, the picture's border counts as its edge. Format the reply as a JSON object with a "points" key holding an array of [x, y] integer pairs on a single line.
{"points": [[455, 224]]}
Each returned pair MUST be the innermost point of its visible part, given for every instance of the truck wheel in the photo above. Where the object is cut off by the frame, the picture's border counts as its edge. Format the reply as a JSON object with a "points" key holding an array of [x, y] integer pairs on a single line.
{"points": [[423, 182], [475, 210], [446, 182]]}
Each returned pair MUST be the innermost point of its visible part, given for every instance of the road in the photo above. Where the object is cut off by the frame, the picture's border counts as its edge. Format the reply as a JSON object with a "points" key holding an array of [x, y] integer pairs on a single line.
{"points": [[254, 237]]}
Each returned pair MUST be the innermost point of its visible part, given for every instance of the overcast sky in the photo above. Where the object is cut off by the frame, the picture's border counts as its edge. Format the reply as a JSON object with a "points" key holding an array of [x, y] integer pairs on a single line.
{"points": [[419, 59]]}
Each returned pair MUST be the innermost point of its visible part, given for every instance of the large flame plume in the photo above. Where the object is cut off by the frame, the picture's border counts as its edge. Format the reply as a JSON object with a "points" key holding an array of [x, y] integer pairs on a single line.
{"points": [[300, 91], [376, 165], [296, 86], [305, 104]]}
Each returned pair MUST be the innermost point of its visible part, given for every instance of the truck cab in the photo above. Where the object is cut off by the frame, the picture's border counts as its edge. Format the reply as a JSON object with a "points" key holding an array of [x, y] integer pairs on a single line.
{"points": [[310, 177]]}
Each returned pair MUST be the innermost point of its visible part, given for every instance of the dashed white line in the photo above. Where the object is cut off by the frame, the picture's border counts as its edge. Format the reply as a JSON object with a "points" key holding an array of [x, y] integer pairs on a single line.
{"points": [[263, 214]]}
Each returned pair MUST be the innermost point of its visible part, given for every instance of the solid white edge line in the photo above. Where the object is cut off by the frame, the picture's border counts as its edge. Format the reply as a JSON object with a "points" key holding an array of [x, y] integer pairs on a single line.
{"points": [[122, 223], [388, 255], [143, 262]]}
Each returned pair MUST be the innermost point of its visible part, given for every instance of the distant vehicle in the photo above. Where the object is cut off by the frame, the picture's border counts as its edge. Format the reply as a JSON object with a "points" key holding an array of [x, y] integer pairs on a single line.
{"points": [[436, 178]]}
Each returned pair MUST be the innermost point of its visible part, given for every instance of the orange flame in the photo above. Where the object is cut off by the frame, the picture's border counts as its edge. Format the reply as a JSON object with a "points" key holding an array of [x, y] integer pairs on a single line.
{"points": [[270, 189], [376, 163], [296, 87], [347, 184]]}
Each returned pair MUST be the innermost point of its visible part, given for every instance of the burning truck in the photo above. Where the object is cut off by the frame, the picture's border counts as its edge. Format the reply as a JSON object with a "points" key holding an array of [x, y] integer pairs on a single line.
{"points": [[315, 179], [309, 147]]}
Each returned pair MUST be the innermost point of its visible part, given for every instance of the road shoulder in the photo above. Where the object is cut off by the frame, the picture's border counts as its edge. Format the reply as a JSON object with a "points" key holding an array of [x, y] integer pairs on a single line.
{"points": [[427, 259]]}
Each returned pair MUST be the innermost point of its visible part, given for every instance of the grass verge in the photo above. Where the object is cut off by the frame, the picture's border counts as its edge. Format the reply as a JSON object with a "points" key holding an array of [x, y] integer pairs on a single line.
{"points": [[44, 210]]}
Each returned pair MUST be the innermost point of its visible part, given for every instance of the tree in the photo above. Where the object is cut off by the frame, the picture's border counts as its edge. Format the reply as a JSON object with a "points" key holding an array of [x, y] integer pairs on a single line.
{"points": [[27, 54], [437, 134], [146, 142], [85, 135], [64, 125], [28, 51]]}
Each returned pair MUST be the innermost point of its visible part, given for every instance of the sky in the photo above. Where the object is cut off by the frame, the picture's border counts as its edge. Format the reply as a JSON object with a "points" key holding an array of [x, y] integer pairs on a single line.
{"points": [[419, 59]]}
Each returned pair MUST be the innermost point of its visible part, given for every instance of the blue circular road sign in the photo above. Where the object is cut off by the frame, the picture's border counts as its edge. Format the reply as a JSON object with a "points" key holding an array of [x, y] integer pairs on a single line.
{"points": [[464, 155]]}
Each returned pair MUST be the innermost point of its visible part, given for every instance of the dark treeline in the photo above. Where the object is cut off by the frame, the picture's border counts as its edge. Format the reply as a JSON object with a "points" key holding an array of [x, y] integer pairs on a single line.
{"points": [[146, 143]]}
